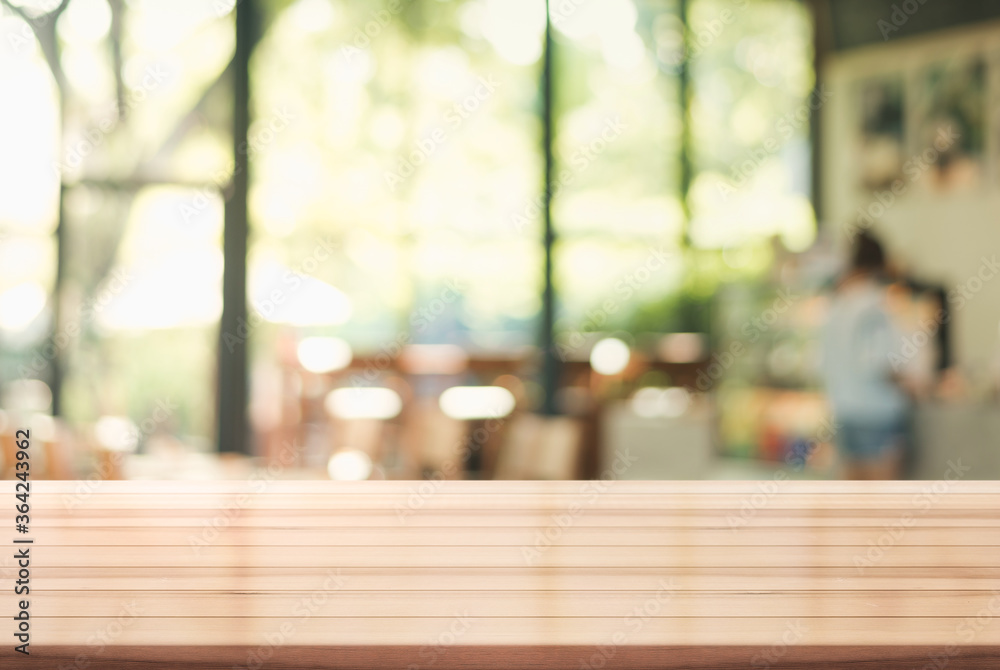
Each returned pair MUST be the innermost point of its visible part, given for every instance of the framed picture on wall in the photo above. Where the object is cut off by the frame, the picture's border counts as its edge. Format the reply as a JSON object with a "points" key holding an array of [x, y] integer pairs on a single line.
{"points": [[949, 125], [881, 136]]}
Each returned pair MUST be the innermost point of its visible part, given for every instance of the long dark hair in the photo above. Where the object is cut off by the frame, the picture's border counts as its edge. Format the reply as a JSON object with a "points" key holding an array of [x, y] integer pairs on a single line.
{"points": [[868, 254]]}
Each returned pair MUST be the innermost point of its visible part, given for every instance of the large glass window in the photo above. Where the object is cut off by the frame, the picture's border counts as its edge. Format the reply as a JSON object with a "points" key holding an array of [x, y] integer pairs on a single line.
{"points": [[396, 166]]}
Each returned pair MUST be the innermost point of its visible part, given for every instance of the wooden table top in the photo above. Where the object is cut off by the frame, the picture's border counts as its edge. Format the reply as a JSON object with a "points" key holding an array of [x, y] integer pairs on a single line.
{"points": [[586, 574]]}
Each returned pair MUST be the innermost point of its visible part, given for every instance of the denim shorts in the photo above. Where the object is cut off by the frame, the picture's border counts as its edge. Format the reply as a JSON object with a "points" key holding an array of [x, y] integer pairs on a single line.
{"points": [[871, 441]]}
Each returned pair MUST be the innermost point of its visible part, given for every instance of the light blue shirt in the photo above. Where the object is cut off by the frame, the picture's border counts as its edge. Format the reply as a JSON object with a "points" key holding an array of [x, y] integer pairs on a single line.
{"points": [[857, 342]]}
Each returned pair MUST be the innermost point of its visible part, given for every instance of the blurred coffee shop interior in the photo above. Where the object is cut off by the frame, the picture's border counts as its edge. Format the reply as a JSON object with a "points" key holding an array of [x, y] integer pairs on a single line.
{"points": [[474, 239]]}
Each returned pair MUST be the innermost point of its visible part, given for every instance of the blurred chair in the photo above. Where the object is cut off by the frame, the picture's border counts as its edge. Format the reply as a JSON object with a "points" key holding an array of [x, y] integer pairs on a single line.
{"points": [[432, 441], [537, 447], [360, 418]]}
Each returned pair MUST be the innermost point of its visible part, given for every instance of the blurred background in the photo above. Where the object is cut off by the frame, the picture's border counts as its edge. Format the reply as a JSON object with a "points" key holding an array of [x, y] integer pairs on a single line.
{"points": [[488, 238]]}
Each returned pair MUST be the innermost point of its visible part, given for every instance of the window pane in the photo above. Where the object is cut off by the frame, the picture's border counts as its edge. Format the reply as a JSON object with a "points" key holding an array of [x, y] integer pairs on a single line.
{"points": [[751, 67]]}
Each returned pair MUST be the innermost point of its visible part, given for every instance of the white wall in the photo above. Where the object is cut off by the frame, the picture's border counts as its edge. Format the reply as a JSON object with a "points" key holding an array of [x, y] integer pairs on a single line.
{"points": [[940, 236]]}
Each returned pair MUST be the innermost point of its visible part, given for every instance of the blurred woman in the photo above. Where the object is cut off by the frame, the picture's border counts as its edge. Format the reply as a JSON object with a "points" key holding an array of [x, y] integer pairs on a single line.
{"points": [[870, 406]]}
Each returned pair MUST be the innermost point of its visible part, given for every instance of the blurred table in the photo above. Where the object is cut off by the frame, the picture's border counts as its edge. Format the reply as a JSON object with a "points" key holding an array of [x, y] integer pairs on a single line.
{"points": [[659, 447], [948, 432], [507, 574]]}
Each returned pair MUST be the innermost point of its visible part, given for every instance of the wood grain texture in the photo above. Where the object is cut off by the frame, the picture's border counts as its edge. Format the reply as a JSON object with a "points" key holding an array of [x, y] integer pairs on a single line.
{"points": [[509, 574]]}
